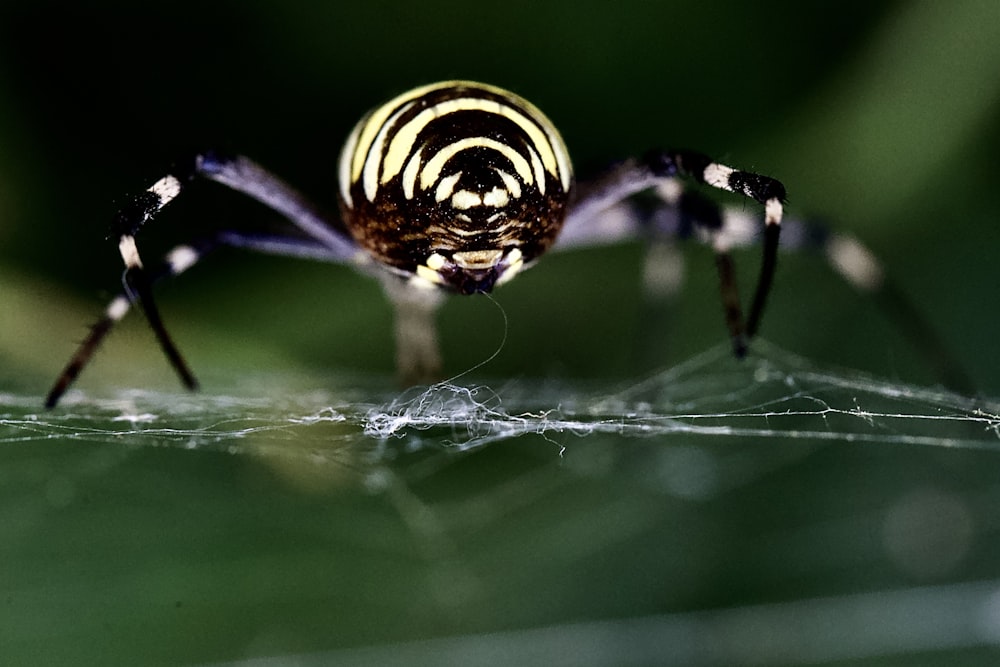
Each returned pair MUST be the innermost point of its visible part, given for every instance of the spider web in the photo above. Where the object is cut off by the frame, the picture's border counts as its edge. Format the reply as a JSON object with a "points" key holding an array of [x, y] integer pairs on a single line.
{"points": [[779, 395], [772, 395], [679, 423]]}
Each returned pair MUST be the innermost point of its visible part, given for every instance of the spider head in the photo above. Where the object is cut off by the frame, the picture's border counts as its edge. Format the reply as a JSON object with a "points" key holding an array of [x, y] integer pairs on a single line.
{"points": [[471, 271]]}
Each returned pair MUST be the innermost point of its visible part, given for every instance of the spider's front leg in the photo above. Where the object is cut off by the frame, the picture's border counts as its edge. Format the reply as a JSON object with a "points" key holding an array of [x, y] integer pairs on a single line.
{"points": [[139, 287], [665, 171], [238, 173]]}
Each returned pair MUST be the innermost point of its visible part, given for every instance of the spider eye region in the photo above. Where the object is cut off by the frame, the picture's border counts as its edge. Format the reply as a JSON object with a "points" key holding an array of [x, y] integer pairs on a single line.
{"points": [[458, 184]]}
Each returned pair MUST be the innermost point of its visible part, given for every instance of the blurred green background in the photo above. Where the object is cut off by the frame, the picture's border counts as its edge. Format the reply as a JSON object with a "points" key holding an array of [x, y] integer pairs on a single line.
{"points": [[881, 118]]}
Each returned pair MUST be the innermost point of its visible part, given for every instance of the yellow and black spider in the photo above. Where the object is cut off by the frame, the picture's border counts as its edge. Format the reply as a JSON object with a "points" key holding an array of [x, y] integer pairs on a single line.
{"points": [[456, 187]]}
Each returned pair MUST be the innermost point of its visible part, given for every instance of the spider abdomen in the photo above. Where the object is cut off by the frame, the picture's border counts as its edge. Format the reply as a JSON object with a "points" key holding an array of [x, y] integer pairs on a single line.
{"points": [[456, 183]]}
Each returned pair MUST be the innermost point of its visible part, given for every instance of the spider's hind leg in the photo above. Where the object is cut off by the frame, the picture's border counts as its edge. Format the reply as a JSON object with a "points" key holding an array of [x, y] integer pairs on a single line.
{"points": [[861, 268]]}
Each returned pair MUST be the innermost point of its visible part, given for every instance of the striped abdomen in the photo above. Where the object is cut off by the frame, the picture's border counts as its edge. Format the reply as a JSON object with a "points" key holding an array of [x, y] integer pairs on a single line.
{"points": [[457, 183]]}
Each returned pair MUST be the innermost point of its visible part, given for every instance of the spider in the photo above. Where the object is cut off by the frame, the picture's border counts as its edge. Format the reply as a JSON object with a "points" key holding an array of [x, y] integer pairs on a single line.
{"points": [[456, 187]]}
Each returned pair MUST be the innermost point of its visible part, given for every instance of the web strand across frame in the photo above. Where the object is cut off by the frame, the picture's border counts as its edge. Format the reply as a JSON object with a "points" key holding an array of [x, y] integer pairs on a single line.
{"points": [[773, 395], [770, 395]]}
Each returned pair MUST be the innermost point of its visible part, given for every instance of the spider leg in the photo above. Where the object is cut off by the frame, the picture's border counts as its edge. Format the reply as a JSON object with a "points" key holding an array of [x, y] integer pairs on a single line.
{"points": [[846, 255], [177, 261], [238, 173], [138, 286], [663, 170], [418, 355], [861, 269]]}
